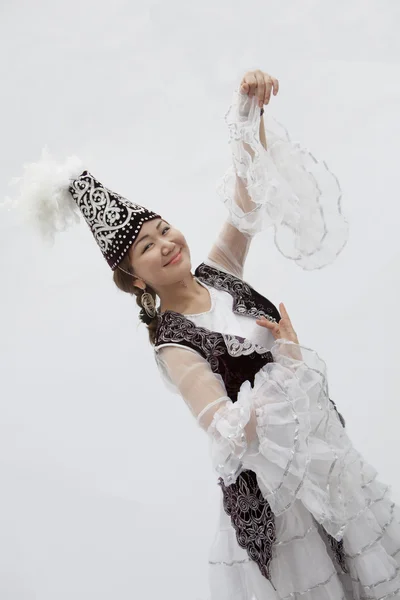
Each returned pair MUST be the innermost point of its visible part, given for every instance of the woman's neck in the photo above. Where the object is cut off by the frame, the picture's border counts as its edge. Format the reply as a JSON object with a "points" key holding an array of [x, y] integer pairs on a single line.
{"points": [[185, 296]]}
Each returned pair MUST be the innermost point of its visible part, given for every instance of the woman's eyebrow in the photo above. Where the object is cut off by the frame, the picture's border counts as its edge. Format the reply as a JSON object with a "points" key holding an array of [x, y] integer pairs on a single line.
{"points": [[145, 236]]}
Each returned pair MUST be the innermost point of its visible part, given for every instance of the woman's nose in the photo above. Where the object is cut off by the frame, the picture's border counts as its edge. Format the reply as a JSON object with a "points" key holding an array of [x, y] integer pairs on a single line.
{"points": [[167, 247]]}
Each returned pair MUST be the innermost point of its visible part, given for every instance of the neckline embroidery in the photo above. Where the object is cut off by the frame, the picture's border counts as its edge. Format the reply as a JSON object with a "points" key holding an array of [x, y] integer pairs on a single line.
{"points": [[242, 293], [173, 326], [244, 296]]}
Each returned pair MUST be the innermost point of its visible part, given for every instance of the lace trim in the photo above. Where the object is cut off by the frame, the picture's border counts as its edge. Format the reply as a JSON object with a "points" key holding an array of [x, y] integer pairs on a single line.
{"points": [[252, 519], [174, 327], [324, 517], [296, 439], [236, 347], [313, 242], [244, 296]]}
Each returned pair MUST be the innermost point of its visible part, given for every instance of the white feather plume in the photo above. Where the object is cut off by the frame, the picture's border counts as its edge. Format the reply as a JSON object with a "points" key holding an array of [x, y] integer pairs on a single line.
{"points": [[43, 197]]}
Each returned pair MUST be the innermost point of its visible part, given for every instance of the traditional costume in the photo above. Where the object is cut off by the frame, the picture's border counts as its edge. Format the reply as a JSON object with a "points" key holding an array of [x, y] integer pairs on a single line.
{"points": [[303, 516]]}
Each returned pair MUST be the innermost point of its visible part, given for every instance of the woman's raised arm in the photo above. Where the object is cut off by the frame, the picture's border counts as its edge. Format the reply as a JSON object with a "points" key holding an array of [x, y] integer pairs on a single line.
{"points": [[275, 183], [231, 246], [230, 249]]}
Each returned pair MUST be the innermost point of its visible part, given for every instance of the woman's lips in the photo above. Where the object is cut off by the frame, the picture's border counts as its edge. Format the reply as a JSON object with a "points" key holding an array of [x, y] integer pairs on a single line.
{"points": [[176, 259]]}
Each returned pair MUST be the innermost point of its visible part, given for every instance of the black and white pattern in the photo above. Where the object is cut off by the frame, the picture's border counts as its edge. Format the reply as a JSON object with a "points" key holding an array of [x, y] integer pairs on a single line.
{"points": [[233, 357], [246, 300], [113, 220], [236, 359], [252, 519]]}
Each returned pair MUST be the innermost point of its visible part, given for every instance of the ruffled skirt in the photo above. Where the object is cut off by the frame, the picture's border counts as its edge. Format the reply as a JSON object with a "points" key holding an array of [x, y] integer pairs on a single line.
{"points": [[316, 484], [304, 565]]}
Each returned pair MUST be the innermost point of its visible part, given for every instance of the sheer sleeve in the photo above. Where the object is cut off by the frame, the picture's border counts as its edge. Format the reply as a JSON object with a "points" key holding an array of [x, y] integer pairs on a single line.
{"points": [[230, 426], [283, 187]]}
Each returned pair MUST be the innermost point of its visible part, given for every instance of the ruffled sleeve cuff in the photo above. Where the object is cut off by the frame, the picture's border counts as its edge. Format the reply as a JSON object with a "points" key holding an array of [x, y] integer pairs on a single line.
{"points": [[228, 434], [303, 451], [291, 190]]}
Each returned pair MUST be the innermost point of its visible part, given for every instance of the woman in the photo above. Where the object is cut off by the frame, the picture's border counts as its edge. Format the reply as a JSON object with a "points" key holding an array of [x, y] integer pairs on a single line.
{"points": [[302, 514]]}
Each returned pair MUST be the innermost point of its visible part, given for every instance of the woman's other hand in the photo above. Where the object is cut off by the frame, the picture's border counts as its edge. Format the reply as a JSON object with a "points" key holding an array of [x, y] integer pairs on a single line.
{"points": [[261, 84], [283, 329]]}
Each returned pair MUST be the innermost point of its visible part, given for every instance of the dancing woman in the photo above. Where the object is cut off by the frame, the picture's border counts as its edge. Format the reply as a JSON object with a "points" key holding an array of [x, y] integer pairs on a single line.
{"points": [[302, 516]]}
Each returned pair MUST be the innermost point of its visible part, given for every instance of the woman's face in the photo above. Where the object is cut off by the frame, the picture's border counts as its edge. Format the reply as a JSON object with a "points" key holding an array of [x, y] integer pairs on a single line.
{"points": [[152, 251]]}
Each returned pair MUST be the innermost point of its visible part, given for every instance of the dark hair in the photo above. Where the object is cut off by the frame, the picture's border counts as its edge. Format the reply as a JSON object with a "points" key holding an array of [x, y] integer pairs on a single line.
{"points": [[125, 283]]}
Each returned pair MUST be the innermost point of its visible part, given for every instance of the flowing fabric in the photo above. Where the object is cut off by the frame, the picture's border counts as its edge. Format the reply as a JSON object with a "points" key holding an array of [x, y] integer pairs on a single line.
{"points": [[285, 429], [283, 187]]}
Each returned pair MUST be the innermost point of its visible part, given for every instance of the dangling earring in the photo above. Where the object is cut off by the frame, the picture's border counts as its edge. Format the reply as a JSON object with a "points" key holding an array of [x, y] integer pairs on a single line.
{"points": [[147, 302]]}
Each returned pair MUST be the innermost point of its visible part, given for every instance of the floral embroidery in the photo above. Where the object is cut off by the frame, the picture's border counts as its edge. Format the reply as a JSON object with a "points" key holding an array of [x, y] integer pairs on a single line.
{"points": [[113, 220], [252, 518], [237, 347], [246, 301], [233, 357]]}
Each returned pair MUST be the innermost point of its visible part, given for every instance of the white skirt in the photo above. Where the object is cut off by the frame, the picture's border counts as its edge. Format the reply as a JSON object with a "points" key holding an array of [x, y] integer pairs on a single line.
{"points": [[303, 565], [315, 482]]}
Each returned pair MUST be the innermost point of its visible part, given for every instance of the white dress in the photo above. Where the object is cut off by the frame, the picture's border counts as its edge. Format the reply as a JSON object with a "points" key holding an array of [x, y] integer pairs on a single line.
{"points": [[285, 428]]}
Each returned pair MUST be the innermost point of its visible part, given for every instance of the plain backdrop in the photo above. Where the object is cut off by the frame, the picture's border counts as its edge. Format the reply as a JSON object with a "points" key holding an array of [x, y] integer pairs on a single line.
{"points": [[106, 487]]}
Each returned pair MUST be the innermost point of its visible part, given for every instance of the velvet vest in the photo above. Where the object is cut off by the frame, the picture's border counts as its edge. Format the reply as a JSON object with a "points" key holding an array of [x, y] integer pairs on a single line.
{"points": [[236, 360]]}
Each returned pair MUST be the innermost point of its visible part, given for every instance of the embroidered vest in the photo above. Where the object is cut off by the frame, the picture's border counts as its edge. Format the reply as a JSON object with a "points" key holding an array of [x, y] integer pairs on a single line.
{"points": [[236, 360]]}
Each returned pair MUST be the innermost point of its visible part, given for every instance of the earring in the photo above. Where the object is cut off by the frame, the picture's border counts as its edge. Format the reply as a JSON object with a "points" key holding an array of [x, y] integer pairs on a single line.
{"points": [[147, 302]]}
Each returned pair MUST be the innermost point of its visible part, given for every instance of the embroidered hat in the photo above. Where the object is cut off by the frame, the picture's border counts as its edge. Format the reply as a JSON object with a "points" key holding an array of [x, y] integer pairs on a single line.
{"points": [[114, 221], [52, 196]]}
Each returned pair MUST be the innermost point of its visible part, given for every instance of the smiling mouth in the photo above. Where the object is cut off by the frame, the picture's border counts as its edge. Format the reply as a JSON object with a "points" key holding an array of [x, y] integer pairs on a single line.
{"points": [[174, 258]]}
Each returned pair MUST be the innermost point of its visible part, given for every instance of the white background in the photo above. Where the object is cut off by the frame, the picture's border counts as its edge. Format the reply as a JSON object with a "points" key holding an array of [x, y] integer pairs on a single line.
{"points": [[106, 489]]}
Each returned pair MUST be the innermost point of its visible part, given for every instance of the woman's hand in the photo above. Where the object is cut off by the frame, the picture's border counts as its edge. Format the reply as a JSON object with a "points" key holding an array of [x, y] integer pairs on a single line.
{"points": [[260, 83], [283, 329]]}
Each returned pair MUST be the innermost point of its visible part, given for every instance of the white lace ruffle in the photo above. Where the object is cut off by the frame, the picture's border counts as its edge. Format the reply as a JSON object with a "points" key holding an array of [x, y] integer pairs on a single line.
{"points": [[309, 472], [303, 566], [303, 450], [293, 192], [228, 439]]}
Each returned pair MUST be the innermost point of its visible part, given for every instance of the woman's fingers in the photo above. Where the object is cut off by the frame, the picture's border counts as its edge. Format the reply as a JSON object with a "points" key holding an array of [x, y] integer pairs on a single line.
{"points": [[286, 324], [275, 85], [264, 322], [254, 84], [268, 88], [261, 87], [261, 84], [285, 314]]}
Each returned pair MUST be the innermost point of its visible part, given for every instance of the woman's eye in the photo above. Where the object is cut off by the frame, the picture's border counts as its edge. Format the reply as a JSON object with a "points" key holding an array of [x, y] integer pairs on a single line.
{"points": [[147, 245]]}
